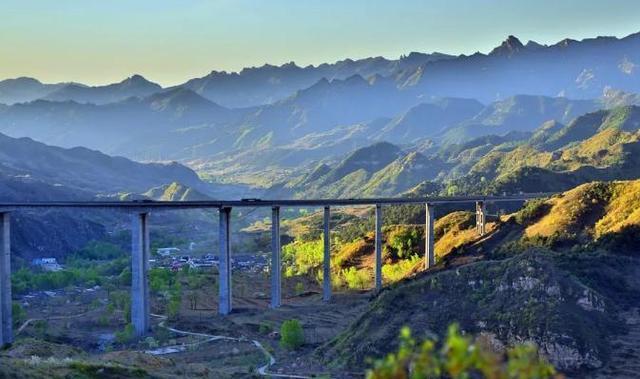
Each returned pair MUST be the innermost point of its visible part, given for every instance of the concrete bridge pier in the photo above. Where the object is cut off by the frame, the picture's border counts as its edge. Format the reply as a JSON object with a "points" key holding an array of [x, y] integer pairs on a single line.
{"points": [[276, 259], [378, 248], [224, 307], [326, 267], [139, 273], [430, 250], [6, 319], [481, 217]]}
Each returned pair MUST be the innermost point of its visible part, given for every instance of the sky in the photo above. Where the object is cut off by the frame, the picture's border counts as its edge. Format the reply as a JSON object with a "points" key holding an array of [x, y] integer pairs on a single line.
{"points": [[170, 41]]}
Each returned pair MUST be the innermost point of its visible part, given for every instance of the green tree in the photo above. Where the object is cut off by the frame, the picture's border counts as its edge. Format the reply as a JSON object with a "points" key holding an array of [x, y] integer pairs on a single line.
{"points": [[459, 358], [291, 335], [404, 241], [19, 314], [175, 301], [126, 335], [301, 257]]}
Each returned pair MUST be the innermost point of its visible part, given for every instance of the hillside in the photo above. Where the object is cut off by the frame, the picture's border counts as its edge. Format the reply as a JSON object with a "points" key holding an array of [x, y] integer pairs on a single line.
{"points": [[591, 212], [522, 113], [32, 171], [429, 119], [596, 146], [561, 272], [86, 170], [165, 121], [175, 192], [381, 169]]}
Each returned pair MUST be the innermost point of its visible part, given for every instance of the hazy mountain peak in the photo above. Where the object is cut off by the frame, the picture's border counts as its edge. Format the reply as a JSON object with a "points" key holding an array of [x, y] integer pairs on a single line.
{"points": [[178, 96], [355, 79], [137, 80], [533, 45], [566, 43], [509, 46], [291, 64], [25, 80]]}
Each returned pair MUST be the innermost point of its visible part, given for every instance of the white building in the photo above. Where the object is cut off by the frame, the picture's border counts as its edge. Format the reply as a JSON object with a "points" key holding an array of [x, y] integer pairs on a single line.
{"points": [[167, 251], [47, 264]]}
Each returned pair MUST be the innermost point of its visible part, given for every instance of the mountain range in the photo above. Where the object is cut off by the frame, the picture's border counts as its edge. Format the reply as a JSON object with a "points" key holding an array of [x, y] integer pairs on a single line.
{"points": [[270, 125]]}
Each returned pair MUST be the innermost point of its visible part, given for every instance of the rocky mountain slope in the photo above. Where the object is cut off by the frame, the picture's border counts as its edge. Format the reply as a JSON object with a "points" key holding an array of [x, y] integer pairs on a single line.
{"points": [[524, 282]]}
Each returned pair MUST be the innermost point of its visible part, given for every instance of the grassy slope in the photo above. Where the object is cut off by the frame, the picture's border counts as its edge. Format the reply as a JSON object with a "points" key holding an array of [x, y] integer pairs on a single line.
{"points": [[569, 303], [591, 211]]}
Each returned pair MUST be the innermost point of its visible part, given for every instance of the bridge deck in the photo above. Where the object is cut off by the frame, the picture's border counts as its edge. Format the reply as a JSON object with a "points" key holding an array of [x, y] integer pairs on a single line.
{"points": [[271, 203]]}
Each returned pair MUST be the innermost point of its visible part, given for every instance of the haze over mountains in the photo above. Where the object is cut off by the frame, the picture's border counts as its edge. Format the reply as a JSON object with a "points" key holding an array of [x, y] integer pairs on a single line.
{"points": [[282, 121]]}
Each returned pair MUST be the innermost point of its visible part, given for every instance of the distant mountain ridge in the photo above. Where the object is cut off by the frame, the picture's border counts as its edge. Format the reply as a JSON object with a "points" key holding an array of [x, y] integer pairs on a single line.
{"points": [[23, 89], [577, 69], [83, 171], [268, 84], [134, 86]]}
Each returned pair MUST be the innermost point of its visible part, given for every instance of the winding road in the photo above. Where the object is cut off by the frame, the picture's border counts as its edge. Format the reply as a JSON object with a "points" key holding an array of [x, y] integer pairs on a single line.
{"points": [[262, 370]]}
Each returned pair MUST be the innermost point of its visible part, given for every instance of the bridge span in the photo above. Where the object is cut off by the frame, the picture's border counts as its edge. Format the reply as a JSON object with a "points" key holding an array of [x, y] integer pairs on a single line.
{"points": [[140, 243]]}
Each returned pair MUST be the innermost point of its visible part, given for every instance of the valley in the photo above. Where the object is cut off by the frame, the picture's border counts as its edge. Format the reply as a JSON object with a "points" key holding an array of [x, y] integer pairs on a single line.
{"points": [[548, 281]]}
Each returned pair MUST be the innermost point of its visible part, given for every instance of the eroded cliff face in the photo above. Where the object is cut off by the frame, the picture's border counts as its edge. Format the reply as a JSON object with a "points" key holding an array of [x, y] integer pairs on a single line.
{"points": [[567, 304]]}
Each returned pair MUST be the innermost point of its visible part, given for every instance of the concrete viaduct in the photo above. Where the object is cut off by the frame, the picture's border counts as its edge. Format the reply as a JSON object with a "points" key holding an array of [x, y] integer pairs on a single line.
{"points": [[140, 245]]}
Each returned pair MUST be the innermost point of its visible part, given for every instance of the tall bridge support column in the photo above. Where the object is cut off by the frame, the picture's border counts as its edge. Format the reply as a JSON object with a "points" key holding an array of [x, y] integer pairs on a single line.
{"points": [[139, 273], [276, 254], [224, 307], [481, 217], [378, 248], [6, 319], [326, 267], [430, 250]]}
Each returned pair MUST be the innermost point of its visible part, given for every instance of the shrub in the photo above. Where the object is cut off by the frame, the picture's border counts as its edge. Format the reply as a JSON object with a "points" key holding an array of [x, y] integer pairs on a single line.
{"points": [[299, 288], [99, 250], [40, 328], [265, 327], [160, 279], [459, 357], [173, 308], [19, 314], [126, 335], [400, 270], [291, 335], [300, 257], [151, 342], [25, 280], [403, 240], [532, 211], [103, 320], [356, 279]]}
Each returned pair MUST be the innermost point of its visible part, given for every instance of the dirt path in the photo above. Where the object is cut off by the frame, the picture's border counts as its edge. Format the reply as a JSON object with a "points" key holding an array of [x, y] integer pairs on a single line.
{"points": [[209, 338], [55, 318]]}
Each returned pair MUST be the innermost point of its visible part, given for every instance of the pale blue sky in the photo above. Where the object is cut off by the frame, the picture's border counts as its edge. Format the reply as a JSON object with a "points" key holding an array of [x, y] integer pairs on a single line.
{"points": [[170, 41]]}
